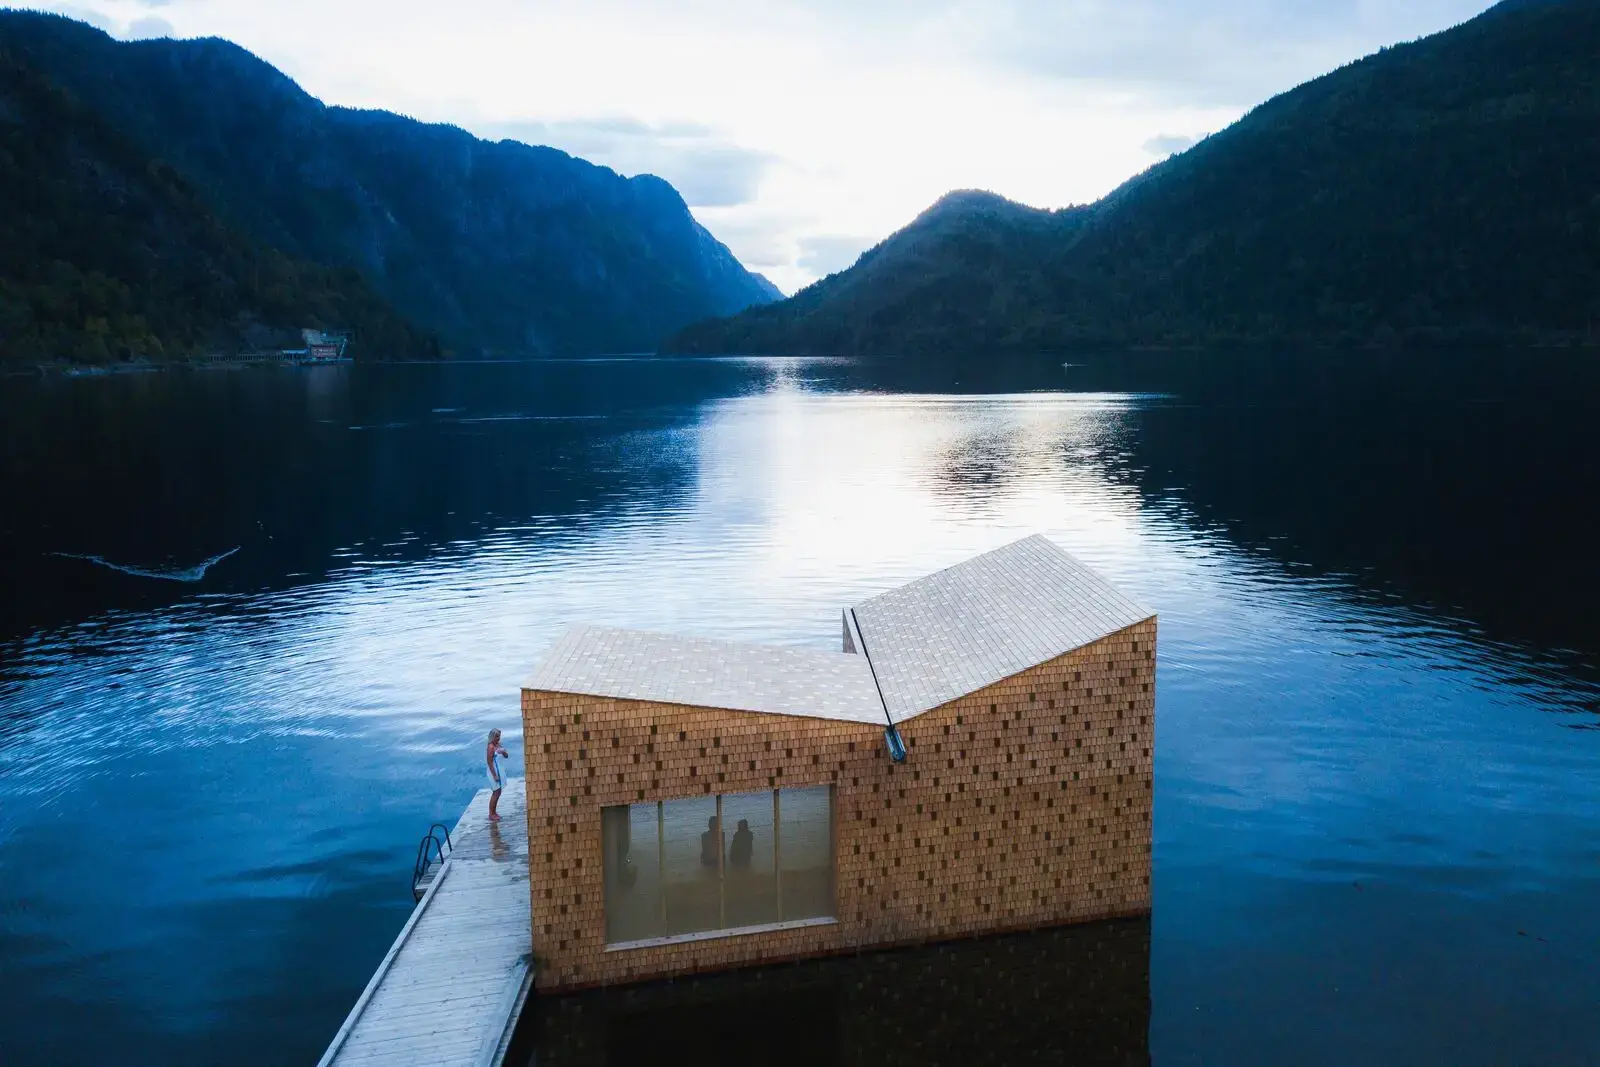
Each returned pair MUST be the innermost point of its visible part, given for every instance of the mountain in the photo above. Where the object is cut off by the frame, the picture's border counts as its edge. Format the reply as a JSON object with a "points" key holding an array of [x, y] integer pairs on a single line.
{"points": [[106, 252], [501, 247], [1438, 192]]}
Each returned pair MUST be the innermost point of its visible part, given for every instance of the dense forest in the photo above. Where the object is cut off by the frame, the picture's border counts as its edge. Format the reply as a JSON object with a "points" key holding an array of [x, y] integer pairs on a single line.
{"points": [[1441, 192], [107, 254], [498, 248]]}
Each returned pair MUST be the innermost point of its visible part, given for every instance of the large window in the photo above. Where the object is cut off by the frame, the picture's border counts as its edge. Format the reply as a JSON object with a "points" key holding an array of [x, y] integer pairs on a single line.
{"points": [[710, 863]]}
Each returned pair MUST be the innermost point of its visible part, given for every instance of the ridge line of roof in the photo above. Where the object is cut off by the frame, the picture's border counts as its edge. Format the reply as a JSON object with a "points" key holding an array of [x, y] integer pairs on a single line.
{"points": [[986, 618], [935, 639]]}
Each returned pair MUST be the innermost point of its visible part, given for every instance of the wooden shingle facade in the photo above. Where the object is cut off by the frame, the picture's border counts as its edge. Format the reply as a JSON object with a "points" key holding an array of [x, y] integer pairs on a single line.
{"points": [[1022, 802]]}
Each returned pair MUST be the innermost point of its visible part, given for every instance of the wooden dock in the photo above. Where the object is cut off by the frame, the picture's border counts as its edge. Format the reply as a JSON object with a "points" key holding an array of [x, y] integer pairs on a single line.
{"points": [[450, 990]]}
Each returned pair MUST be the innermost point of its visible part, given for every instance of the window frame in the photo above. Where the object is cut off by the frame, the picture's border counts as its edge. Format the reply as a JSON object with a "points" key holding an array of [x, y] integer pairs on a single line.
{"points": [[724, 930]]}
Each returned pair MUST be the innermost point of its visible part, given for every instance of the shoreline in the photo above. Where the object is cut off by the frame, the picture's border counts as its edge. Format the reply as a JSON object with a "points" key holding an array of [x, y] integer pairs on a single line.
{"points": [[100, 370]]}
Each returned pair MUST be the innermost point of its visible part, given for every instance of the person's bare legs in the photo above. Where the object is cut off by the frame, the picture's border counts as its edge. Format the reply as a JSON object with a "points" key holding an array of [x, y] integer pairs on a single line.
{"points": [[494, 802]]}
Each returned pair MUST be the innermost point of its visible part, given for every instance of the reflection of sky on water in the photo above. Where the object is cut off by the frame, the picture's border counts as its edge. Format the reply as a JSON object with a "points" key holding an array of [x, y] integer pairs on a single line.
{"points": [[1367, 816]]}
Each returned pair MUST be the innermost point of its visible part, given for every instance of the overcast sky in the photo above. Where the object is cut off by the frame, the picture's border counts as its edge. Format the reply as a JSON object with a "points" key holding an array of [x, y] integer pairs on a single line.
{"points": [[801, 132]]}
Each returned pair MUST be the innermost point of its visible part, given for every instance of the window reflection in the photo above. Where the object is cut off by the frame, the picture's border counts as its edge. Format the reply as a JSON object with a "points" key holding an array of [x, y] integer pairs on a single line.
{"points": [[749, 886], [805, 858], [689, 839], [717, 863], [630, 840]]}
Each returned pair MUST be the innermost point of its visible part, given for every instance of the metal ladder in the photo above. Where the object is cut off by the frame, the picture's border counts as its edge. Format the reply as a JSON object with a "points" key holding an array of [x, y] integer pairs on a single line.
{"points": [[431, 854]]}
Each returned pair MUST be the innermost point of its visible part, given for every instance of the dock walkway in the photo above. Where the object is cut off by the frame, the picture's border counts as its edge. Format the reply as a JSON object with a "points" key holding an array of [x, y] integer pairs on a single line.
{"points": [[450, 989]]}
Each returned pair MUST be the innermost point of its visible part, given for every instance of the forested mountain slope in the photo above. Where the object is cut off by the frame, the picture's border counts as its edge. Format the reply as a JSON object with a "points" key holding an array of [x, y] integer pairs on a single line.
{"points": [[1440, 192], [503, 248], [106, 253]]}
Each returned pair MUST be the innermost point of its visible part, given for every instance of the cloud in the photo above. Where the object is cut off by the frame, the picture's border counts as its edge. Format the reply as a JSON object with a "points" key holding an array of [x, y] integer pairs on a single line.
{"points": [[1167, 144], [83, 14], [1227, 53], [705, 169], [139, 28], [763, 240], [150, 26], [828, 253]]}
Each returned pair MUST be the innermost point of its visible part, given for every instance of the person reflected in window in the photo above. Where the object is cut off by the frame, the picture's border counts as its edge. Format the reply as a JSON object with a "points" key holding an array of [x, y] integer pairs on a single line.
{"points": [[743, 845], [711, 843]]}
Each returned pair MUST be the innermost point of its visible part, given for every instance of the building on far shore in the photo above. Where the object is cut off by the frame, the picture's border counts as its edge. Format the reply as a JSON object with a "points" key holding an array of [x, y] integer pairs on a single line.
{"points": [[976, 760]]}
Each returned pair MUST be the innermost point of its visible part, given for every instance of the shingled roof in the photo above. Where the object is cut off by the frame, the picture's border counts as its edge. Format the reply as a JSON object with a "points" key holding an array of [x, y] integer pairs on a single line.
{"points": [[699, 671], [927, 643], [970, 625]]}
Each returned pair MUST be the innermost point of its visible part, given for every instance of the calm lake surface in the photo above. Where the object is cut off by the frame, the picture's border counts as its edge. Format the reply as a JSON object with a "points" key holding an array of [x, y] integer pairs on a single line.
{"points": [[1377, 812]]}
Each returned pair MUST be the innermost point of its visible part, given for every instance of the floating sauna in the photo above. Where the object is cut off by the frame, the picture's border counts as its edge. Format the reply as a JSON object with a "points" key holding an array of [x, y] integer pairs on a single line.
{"points": [[976, 759]]}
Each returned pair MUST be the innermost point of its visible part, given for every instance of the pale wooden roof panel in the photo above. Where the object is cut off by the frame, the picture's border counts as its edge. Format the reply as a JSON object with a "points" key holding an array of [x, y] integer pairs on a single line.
{"points": [[704, 672], [983, 620]]}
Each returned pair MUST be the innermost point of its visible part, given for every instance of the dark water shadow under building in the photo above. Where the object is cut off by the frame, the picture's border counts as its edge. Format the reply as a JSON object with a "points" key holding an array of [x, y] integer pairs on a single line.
{"points": [[1078, 994]]}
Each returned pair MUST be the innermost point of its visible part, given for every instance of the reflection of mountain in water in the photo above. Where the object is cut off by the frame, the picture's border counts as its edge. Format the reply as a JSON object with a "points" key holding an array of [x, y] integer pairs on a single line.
{"points": [[310, 470], [1077, 995], [1459, 484]]}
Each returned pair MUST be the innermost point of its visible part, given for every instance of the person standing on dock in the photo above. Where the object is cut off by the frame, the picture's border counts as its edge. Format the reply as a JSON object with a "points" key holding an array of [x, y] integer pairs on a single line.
{"points": [[492, 756]]}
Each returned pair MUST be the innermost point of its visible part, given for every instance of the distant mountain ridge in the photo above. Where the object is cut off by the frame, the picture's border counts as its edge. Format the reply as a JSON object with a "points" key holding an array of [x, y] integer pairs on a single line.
{"points": [[1438, 192], [107, 253], [503, 248]]}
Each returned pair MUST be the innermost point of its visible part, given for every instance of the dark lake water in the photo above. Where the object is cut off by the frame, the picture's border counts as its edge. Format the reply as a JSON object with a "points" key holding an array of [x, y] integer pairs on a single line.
{"points": [[1377, 813]]}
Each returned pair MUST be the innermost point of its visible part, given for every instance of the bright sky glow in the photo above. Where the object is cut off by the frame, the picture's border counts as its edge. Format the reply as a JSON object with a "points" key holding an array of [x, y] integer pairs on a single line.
{"points": [[802, 133]]}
